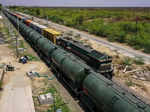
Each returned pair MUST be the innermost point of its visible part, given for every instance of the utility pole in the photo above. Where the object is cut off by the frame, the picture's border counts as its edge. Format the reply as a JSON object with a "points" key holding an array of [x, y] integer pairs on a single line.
{"points": [[136, 21], [9, 28], [2, 78], [137, 24], [17, 53], [54, 103], [47, 20]]}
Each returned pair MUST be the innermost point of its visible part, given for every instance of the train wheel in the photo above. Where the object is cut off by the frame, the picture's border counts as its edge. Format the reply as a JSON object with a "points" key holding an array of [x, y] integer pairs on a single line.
{"points": [[108, 75], [58, 75]]}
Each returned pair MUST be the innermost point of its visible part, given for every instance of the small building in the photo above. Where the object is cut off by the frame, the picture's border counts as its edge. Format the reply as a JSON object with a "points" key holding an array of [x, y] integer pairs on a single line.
{"points": [[45, 98]]}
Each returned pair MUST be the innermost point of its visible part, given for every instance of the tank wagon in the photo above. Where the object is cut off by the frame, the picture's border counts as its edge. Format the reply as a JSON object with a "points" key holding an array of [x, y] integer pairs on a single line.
{"points": [[99, 62], [97, 92]]}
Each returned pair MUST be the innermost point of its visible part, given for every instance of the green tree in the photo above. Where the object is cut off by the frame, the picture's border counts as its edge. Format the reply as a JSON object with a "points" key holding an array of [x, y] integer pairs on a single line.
{"points": [[37, 12], [0, 6], [77, 19]]}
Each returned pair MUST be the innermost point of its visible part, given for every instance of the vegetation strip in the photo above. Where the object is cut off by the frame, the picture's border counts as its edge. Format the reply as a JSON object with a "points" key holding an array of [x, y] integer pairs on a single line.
{"points": [[130, 26]]}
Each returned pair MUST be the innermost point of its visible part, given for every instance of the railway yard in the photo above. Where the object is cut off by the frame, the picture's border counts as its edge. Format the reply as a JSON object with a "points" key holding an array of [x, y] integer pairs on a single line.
{"points": [[129, 70], [120, 57]]}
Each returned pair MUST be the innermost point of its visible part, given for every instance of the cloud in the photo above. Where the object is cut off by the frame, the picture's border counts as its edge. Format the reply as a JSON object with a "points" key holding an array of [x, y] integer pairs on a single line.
{"points": [[77, 3]]}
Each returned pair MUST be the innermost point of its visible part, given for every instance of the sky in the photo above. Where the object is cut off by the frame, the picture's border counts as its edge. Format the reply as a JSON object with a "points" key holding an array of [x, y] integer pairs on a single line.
{"points": [[79, 3]]}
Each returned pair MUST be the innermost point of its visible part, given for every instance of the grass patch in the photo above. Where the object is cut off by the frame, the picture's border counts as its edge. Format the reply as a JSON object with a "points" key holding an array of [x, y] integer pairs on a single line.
{"points": [[51, 90], [6, 30], [32, 58], [59, 103], [139, 61], [127, 61], [21, 44], [129, 83], [0, 84], [11, 44]]}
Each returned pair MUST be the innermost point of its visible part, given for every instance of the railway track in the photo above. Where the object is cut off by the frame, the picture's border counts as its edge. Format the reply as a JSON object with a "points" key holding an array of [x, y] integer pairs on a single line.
{"points": [[127, 51]]}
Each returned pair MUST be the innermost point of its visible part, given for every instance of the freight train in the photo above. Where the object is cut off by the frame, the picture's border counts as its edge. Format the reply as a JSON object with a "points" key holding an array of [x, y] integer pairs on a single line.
{"points": [[97, 92], [101, 63]]}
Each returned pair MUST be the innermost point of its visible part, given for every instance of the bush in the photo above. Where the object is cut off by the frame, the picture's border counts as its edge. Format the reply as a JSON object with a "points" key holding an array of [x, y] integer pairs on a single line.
{"points": [[55, 19], [69, 22], [78, 19], [129, 83], [128, 26], [139, 61], [127, 61], [32, 58], [59, 103]]}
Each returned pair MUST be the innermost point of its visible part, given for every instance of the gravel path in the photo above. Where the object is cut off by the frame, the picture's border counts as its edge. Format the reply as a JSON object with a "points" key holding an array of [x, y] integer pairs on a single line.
{"points": [[17, 96]]}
